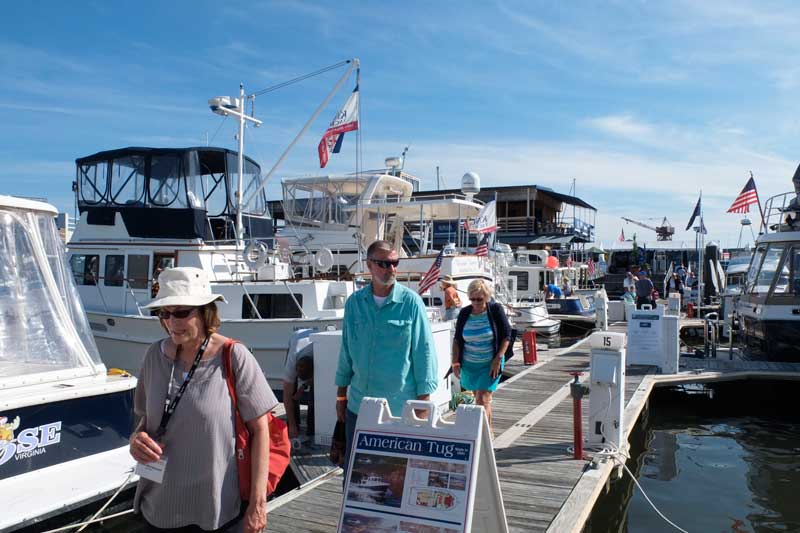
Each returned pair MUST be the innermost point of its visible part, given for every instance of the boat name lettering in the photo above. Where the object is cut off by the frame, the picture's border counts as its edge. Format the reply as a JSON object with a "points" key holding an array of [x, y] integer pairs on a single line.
{"points": [[425, 447], [30, 442]]}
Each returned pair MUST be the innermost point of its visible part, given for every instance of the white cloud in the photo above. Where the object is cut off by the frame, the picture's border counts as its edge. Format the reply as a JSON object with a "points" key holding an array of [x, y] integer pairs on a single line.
{"points": [[625, 126]]}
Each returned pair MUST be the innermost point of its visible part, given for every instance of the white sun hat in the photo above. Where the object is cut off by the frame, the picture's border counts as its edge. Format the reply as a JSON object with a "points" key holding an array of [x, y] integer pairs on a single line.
{"points": [[187, 286]]}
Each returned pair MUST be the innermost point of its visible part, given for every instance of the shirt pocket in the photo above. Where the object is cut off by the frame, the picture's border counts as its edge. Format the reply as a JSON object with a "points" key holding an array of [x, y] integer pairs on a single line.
{"points": [[399, 330]]}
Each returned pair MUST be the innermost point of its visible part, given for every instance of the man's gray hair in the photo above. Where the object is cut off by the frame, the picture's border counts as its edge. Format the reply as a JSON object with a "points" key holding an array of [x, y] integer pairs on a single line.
{"points": [[378, 245]]}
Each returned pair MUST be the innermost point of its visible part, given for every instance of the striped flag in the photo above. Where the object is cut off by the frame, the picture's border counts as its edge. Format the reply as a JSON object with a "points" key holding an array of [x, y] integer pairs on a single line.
{"points": [[345, 120], [590, 267], [483, 247], [748, 196], [569, 262], [621, 235], [432, 275]]}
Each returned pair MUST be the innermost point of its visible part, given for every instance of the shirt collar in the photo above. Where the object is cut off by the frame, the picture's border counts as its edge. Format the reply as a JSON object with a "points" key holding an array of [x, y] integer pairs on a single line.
{"points": [[393, 296]]}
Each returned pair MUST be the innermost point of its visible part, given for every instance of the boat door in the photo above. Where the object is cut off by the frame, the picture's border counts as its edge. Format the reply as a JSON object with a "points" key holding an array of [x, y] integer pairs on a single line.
{"points": [[161, 261], [137, 281]]}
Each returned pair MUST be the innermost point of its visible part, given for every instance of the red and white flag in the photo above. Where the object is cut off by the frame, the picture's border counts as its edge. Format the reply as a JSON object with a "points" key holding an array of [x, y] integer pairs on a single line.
{"points": [[432, 275], [483, 247], [486, 221], [747, 197], [590, 267], [345, 120], [622, 235]]}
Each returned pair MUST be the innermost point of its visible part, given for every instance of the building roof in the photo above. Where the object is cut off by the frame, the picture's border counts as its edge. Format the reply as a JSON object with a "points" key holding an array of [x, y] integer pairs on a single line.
{"points": [[572, 200]]}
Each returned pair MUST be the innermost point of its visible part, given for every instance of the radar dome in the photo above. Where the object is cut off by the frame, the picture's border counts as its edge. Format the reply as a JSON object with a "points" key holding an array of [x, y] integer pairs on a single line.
{"points": [[471, 183]]}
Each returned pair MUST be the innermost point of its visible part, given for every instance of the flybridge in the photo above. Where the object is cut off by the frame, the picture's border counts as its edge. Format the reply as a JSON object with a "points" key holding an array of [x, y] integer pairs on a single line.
{"points": [[185, 193]]}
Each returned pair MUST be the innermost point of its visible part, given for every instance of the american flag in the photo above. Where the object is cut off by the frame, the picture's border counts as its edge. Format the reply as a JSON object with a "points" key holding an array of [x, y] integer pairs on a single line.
{"points": [[483, 247], [748, 196], [432, 275], [590, 267], [621, 235]]}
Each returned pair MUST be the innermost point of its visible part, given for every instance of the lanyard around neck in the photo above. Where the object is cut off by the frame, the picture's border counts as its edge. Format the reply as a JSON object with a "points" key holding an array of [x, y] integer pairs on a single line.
{"points": [[170, 405]]}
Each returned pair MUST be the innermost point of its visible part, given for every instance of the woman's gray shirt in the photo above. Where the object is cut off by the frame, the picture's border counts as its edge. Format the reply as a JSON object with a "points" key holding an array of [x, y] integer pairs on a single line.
{"points": [[201, 482]]}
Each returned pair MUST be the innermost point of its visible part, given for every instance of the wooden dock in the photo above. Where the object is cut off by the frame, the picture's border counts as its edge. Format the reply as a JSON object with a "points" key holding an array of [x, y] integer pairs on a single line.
{"points": [[544, 488]]}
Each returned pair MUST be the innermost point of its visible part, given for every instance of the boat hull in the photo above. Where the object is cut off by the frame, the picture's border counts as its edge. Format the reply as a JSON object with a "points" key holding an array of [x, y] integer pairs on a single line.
{"points": [[770, 340]]}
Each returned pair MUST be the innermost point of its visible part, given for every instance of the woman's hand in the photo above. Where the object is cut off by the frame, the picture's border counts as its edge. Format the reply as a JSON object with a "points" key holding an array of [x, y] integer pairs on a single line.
{"points": [[255, 518], [144, 449], [496, 366], [457, 370]]}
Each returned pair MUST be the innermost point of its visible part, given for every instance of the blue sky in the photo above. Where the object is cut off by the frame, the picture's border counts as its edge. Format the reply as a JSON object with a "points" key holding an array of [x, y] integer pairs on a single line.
{"points": [[642, 103]]}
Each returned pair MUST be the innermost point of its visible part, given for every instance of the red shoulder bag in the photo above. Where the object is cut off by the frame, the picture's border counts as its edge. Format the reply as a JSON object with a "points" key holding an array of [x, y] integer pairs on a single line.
{"points": [[280, 446]]}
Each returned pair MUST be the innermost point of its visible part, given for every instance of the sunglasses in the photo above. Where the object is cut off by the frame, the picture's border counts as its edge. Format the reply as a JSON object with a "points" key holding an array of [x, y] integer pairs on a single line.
{"points": [[163, 314], [385, 264], [476, 300]]}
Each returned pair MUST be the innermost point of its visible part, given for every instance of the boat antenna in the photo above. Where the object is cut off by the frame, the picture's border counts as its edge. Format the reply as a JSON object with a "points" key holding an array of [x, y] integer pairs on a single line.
{"points": [[403, 157]]}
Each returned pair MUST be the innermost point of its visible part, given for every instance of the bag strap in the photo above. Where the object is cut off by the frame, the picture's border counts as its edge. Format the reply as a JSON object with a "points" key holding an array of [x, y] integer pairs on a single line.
{"points": [[227, 365]]}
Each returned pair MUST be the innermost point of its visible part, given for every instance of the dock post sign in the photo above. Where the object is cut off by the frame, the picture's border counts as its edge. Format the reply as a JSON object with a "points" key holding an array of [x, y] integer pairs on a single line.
{"points": [[409, 475]]}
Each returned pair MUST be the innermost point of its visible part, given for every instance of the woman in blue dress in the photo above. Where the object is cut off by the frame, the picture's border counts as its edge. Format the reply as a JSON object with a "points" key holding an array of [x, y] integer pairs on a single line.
{"points": [[481, 339]]}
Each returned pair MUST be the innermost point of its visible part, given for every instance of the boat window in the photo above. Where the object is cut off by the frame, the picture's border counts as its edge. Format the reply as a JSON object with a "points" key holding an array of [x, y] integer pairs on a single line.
{"points": [[128, 180], [755, 264], [93, 181], [138, 271], [115, 270], [273, 306], [782, 285], [431, 301], [166, 182], [251, 179], [85, 269], [768, 268], [522, 279]]}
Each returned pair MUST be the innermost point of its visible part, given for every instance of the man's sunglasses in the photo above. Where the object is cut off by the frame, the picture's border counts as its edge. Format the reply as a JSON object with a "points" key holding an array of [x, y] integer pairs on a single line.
{"points": [[385, 264], [163, 314]]}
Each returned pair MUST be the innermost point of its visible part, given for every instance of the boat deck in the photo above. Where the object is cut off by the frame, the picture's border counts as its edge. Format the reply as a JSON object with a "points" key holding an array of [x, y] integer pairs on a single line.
{"points": [[544, 488]]}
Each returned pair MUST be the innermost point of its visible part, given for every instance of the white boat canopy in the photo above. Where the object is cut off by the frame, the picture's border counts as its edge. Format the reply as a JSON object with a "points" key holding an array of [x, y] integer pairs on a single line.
{"points": [[44, 333]]}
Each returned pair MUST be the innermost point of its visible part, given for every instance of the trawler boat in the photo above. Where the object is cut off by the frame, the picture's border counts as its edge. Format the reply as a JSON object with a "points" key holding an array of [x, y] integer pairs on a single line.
{"points": [[526, 276], [339, 216], [146, 209], [769, 306], [64, 421]]}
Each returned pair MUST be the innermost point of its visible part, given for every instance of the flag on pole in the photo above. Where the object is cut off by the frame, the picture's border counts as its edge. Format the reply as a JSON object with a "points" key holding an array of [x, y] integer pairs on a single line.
{"points": [[622, 235], [569, 261], [483, 247], [486, 221], [432, 275], [345, 120], [695, 214], [590, 267], [746, 198]]}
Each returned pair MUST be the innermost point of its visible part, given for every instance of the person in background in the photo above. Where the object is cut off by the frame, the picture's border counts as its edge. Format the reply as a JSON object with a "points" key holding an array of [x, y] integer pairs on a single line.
{"points": [[566, 288], [629, 283], [551, 290], [187, 418], [387, 346], [481, 339], [298, 382], [452, 303], [630, 295], [644, 290]]}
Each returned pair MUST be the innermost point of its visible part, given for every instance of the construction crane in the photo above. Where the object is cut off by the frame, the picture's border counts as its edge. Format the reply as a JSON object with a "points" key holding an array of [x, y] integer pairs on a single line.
{"points": [[664, 232]]}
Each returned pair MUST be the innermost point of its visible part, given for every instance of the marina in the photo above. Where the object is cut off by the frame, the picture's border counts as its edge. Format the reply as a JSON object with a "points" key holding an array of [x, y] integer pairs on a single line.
{"points": [[475, 267]]}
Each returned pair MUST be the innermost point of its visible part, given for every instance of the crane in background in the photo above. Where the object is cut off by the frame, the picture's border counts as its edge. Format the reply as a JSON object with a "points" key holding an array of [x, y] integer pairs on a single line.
{"points": [[664, 232]]}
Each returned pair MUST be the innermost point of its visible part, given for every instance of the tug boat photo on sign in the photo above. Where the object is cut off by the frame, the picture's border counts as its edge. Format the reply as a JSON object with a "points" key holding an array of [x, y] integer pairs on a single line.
{"points": [[412, 475]]}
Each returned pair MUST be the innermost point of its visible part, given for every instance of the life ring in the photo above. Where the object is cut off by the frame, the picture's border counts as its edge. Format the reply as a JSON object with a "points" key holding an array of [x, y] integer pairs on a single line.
{"points": [[256, 255], [323, 260]]}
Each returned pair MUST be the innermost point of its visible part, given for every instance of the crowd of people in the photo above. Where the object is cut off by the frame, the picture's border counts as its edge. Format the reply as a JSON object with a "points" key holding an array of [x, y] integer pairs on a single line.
{"points": [[185, 434], [639, 288]]}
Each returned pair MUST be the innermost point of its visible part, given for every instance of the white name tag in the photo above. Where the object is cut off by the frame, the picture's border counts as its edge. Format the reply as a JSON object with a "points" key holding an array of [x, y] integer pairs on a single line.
{"points": [[153, 471]]}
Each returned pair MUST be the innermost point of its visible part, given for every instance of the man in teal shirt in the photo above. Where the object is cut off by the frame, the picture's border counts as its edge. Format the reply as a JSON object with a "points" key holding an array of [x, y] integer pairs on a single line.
{"points": [[387, 347]]}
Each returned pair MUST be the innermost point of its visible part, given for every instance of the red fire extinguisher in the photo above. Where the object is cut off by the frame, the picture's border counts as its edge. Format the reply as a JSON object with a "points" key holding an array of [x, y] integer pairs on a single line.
{"points": [[529, 347]]}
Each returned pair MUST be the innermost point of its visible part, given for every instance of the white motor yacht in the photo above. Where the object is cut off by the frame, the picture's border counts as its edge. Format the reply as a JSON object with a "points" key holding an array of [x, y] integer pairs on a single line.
{"points": [[64, 422], [146, 209]]}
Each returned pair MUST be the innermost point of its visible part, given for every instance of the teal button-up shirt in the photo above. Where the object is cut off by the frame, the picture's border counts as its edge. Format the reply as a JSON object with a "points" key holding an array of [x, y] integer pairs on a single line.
{"points": [[387, 352]]}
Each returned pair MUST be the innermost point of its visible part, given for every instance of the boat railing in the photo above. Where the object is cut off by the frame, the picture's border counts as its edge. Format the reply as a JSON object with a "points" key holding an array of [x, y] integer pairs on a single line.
{"points": [[778, 213], [418, 199]]}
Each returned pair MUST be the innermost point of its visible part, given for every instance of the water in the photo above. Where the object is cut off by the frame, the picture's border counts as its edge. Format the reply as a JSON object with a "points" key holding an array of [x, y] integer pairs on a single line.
{"points": [[727, 462]]}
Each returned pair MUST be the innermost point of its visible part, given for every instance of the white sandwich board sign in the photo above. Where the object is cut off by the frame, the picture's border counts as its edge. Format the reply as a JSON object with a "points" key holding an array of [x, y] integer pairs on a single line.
{"points": [[412, 475]]}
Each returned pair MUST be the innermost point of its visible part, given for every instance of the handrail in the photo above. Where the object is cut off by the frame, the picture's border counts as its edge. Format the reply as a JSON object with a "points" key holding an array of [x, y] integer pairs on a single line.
{"points": [[241, 283]]}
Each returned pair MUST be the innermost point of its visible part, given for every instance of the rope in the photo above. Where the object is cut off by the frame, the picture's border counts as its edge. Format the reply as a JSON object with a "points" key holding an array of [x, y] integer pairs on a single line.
{"points": [[101, 519], [300, 78]]}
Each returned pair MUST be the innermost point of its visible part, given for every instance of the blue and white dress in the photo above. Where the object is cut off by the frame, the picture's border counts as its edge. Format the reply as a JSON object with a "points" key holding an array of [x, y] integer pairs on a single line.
{"points": [[476, 362]]}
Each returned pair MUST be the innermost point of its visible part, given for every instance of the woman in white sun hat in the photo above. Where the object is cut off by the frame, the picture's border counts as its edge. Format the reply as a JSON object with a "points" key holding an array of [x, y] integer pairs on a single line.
{"points": [[187, 425]]}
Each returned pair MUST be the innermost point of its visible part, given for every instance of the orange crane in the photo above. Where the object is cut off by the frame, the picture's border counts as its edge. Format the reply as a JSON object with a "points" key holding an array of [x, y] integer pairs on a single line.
{"points": [[664, 232]]}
